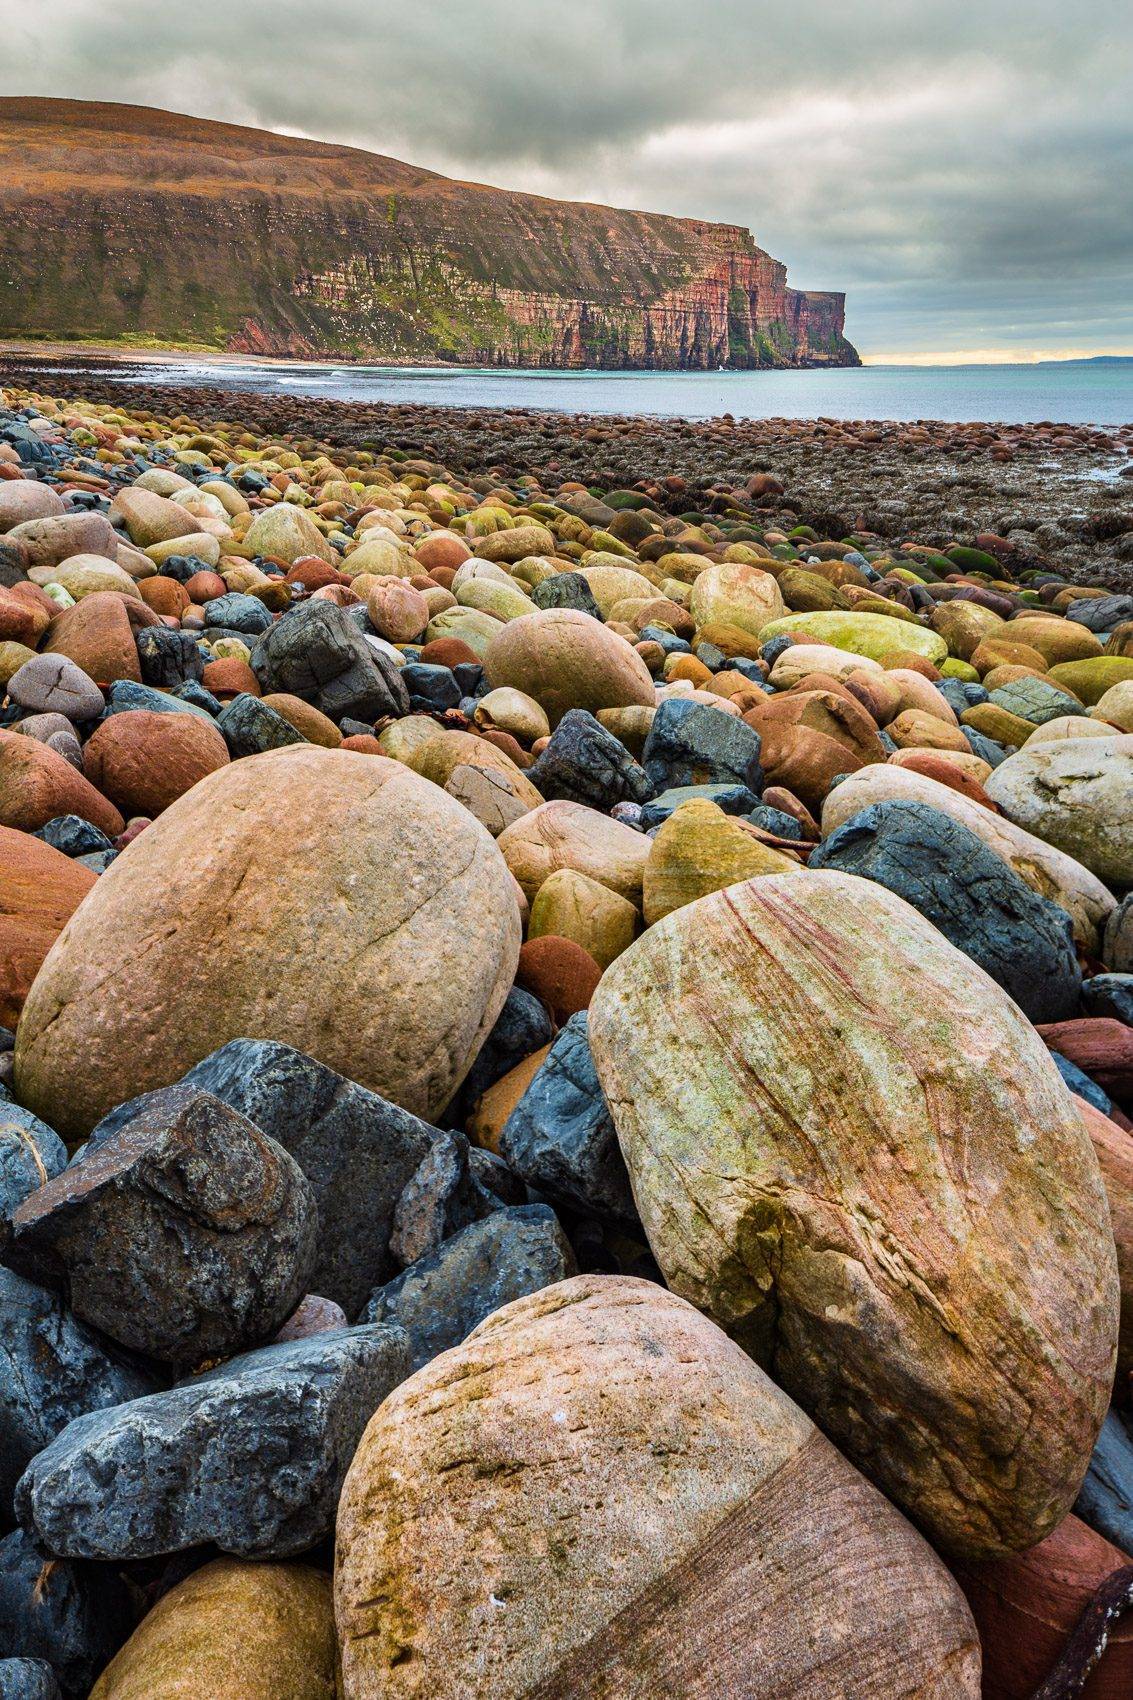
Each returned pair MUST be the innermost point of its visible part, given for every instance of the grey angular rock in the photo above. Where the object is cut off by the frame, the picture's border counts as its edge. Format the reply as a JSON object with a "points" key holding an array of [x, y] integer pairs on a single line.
{"points": [[52, 684], [733, 799], [692, 743], [251, 1455], [31, 1153], [567, 590], [126, 694], [443, 1297], [250, 727], [27, 1679], [52, 1370], [1101, 613], [583, 763], [1035, 700], [240, 613], [357, 1150], [168, 657], [1109, 994], [74, 1615], [74, 836], [1106, 1498], [442, 1196], [560, 1137], [186, 1234], [317, 652], [522, 1027], [981, 905], [1117, 945]]}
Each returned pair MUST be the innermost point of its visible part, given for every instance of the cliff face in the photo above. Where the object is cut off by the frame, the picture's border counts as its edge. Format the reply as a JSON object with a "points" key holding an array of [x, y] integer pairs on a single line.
{"points": [[121, 221]]}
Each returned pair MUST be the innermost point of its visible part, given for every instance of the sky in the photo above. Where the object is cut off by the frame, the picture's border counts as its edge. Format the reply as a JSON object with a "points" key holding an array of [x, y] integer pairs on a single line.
{"points": [[963, 169]]}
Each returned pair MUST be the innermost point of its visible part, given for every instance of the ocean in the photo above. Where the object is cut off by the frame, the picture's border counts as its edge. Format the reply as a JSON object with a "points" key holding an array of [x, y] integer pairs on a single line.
{"points": [[1069, 392]]}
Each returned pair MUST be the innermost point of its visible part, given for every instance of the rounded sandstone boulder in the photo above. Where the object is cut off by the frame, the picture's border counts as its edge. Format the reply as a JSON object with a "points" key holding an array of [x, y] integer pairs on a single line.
{"points": [[144, 760], [377, 931], [564, 659], [575, 1501], [849, 1147], [1076, 794], [569, 835], [232, 1631], [40, 889]]}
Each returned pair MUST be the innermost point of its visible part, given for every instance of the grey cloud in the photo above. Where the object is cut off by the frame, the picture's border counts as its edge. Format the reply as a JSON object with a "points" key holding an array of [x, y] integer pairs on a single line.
{"points": [[963, 170]]}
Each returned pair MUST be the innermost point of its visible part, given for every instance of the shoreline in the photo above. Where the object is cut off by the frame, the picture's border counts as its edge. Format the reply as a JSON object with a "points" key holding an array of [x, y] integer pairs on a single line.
{"points": [[1061, 494]]}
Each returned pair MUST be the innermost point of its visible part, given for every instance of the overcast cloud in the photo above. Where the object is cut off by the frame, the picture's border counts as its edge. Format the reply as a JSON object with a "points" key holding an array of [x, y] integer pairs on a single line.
{"points": [[963, 170]]}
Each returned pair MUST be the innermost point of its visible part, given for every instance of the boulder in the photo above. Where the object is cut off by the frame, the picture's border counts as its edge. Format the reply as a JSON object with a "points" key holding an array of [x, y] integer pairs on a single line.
{"points": [[52, 684], [72, 1616], [40, 889], [568, 835], [574, 1500], [560, 1137], [186, 1234], [27, 1679], [443, 1296], [31, 1154], [1027, 1605], [1074, 794], [52, 1370], [873, 636], [735, 594], [144, 761], [584, 763], [97, 635], [560, 973], [573, 906], [250, 1455], [316, 652], [57, 537], [693, 743], [23, 499], [701, 849], [863, 1163], [1046, 870], [37, 784], [972, 896], [150, 518], [286, 533], [370, 868], [231, 1631], [563, 660]]}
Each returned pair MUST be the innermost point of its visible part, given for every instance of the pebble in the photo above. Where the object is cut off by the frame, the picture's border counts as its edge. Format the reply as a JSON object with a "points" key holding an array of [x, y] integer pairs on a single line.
{"points": [[422, 877]]}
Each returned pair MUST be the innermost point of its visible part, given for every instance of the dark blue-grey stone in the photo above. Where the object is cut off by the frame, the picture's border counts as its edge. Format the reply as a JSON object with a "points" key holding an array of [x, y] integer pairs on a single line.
{"points": [[584, 763], [771, 650], [316, 652], [357, 1151], [72, 1614], [195, 695], [1109, 994], [52, 1370], [714, 659], [250, 727], [430, 688], [250, 1455], [184, 567], [443, 1195], [1035, 700], [99, 861], [27, 1679], [981, 905], [74, 836], [1105, 1500], [777, 821], [692, 743], [961, 694], [986, 748], [31, 1153], [1117, 944], [669, 641], [522, 1027], [560, 1137], [1080, 1083], [443, 1297], [469, 675], [1100, 613], [186, 1234], [238, 612], [566, 590], [733, 799], [125, 695], [168, 657]]}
